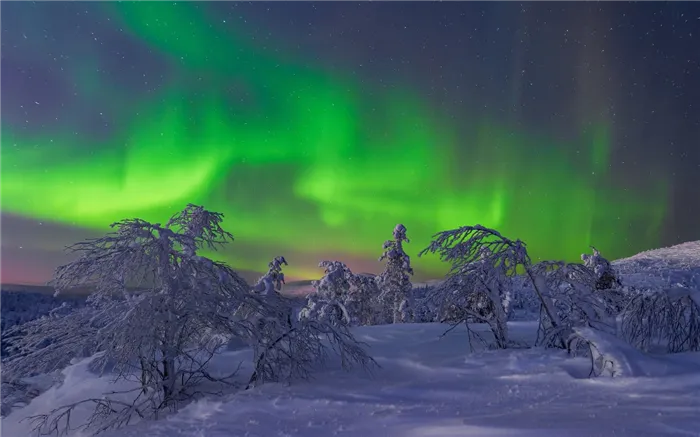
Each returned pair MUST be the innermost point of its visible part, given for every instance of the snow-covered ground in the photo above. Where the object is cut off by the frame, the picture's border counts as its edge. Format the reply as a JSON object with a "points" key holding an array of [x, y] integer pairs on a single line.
{"points": [[429, 386]]}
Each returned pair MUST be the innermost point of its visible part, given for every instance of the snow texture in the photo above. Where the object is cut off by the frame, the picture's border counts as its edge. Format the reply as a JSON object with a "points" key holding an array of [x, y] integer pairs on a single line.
{"points": [[430, 386]]}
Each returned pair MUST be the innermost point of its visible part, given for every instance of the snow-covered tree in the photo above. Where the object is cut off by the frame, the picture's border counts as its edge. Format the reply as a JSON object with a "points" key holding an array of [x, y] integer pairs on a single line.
{"points": [[322, 327], [273, 280], [326, 302], [157, 314], [395, 281], [362, 300], [572, 289], [666, 318], [425, 309], [606, 278], [491, 255], [270, 286], [478, 293]]}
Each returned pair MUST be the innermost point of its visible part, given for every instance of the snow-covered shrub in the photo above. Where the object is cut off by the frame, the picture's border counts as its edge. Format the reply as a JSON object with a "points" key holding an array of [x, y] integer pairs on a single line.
{"points": [[22, 306], [294, 353], [272, 281], [326, 302], [572, 290], [606, 277], [478, 286], [289, 352], [667, 318], [362, 302], [607, 284], [479, 293], [425, 309], [525, 304], [395, 281], [269, 285]]}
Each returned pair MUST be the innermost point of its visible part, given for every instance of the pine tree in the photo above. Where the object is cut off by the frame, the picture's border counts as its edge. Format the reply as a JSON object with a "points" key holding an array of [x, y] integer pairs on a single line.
{"points": [[395, 281]]}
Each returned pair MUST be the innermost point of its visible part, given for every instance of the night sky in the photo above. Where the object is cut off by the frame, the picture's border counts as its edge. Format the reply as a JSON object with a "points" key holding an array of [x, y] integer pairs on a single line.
{"points": [[317, 127]]}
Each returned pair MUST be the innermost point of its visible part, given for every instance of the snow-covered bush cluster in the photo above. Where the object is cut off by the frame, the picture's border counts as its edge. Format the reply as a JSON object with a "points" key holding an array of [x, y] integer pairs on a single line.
{"points": [[492, 280], [160, 312]]}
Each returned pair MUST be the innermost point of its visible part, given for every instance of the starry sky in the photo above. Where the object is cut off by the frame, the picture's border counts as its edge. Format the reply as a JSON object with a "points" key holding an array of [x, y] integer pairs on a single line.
{"points": [[317, 127]]}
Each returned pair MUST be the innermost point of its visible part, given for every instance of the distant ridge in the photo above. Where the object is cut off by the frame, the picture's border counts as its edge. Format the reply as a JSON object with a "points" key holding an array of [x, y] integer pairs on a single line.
{"points": [[30, 288], [684, 256], [681, 256]]}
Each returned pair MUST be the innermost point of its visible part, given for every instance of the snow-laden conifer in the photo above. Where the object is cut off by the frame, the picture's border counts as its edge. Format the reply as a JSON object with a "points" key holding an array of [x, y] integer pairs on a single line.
{"points": [[327, 302], [395, 281], [273, 280]]}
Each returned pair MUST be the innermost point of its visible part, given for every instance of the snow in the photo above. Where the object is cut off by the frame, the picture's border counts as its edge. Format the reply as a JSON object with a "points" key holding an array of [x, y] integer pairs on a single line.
{"points": [[625, 360], [651, 267], [429, 385], [434, 385]]}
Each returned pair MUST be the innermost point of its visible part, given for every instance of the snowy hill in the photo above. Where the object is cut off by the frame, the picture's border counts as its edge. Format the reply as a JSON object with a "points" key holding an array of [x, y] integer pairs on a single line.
{"points": [[680, 256], [651, 266], [428, 386]]}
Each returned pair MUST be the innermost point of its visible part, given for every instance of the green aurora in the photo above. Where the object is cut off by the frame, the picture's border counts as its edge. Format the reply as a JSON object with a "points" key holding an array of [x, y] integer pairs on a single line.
{"points": [[311, 162]]}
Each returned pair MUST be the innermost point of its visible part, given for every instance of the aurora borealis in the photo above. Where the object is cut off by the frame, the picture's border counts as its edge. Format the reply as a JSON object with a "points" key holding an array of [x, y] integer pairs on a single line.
{"points": [[315, 128]]}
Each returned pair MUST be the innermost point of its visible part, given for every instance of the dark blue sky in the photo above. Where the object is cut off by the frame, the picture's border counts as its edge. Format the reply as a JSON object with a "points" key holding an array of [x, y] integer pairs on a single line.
{"points": [[548, 68]]}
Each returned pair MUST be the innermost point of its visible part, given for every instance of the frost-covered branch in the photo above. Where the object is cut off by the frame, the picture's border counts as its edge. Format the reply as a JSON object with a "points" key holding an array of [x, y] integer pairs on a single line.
{"points": [[157, 314], [668, 318], [570, 289], [293, 354]]}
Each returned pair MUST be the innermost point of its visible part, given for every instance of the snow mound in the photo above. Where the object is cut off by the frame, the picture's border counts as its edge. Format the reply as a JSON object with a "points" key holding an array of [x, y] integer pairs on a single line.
{"points": [[619, 359]]}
